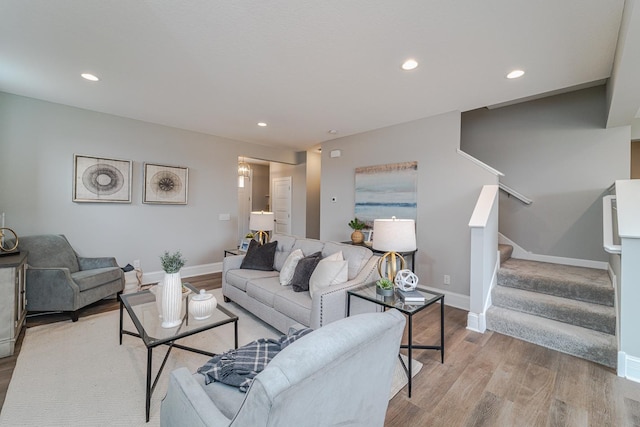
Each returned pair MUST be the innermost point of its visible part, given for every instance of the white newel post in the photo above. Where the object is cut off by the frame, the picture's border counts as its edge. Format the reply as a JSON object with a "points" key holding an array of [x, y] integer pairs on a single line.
{"points": [[171, 300]]}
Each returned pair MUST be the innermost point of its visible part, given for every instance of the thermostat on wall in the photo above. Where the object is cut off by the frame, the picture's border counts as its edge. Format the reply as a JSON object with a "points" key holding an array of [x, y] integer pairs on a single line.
{"points": [[335, 153]]}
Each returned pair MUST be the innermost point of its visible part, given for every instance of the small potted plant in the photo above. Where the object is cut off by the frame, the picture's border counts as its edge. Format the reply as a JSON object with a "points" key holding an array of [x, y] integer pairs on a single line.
{"points": [[384, 287], [357, 237]]}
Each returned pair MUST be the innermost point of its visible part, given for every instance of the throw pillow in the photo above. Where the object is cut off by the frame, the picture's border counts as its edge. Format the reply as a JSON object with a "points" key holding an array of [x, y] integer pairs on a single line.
{"points": [[304, 269], [259, 257], [289, 266], [331, 270]]}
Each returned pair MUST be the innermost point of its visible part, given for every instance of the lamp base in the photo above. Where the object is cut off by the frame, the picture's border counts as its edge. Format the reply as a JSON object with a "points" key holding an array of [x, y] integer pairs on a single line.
{"points": [[262, 237], [391, 259]]}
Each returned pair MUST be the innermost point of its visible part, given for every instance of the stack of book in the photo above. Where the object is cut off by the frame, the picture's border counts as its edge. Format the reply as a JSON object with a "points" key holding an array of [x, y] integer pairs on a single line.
{"points": [[410, 296]]}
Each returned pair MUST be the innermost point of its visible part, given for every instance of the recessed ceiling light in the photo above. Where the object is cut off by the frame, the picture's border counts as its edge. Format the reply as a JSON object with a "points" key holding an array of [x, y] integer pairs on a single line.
{"points": [[333, 131], [90, 77], [262, 124], [409, 64], [515, 74]]}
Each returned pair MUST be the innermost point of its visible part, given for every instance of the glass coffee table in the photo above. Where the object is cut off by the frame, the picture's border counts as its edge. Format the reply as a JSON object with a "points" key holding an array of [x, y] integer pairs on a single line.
{"points": [[143, 311], [368, 292]]}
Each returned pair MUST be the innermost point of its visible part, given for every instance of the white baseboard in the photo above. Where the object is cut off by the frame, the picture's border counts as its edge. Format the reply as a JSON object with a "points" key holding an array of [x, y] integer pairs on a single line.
{"points": [[452, 299], [520, 253], [628, 367], [476, 322], [195, 270]]}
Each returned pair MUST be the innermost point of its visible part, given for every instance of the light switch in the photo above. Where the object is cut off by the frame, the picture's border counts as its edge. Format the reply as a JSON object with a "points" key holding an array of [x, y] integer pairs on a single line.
{"points": [[224, 217]]}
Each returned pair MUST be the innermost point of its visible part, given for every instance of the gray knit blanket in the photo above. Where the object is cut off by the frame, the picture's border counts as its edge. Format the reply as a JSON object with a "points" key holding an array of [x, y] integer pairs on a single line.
{"points": [[238, 367]]}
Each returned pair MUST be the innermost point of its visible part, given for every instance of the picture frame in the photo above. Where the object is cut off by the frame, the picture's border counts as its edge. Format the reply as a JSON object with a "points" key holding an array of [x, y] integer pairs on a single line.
{"points": [[163, 184], [101, 180], [368, 237], [244, 245]]}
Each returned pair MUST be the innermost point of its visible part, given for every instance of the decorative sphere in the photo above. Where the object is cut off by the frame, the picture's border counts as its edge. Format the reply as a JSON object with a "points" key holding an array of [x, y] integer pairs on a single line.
{"points": [[406, 280]]}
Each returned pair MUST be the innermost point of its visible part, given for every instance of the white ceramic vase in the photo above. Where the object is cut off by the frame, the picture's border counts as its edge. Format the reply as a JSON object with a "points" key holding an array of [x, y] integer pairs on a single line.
{"points": [[172, 300]]}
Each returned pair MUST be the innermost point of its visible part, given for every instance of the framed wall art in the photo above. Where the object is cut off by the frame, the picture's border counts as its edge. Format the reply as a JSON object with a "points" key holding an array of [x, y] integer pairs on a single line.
{"points": [[383, 191], [165, 184], [97, 179]]}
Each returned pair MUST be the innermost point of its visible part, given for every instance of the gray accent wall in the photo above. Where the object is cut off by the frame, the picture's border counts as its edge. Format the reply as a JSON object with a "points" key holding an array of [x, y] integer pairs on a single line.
{"points": [[556, 152], [37, 142], [448, 187]]}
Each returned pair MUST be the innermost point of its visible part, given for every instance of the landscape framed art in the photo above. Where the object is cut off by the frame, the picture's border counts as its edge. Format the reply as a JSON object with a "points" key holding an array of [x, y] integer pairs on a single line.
{"points": [[98, 179], [165, 184]]}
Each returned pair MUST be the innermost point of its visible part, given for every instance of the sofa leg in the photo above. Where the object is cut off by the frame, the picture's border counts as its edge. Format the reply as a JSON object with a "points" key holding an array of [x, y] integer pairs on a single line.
{"points": [[74, 315], [226, 299]]}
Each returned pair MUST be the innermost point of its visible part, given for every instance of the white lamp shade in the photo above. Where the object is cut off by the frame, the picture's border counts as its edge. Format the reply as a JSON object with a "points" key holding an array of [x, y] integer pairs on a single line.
{"points": [[394, 235], [261, 221]]}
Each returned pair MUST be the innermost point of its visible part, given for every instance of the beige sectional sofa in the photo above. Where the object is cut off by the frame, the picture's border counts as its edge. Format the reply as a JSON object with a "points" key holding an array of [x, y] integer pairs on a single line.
{"points": [[261, 293]]}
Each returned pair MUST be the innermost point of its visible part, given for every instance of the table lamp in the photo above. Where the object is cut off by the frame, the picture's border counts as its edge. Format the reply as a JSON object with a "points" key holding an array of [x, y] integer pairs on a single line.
{"points": [[262, 222], [393, 236]]}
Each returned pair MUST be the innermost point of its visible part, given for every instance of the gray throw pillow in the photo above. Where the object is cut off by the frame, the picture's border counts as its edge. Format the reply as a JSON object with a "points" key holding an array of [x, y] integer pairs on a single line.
{"points": [[259, 257], [304, 269]]}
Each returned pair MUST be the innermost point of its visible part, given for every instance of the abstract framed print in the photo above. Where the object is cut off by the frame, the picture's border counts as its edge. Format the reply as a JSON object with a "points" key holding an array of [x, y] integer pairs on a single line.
{"points": [[97, 179], [165, 184]]}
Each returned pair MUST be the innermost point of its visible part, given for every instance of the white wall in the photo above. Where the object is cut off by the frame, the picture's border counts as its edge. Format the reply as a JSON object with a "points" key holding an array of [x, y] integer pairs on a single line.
{"points": [[448, 187], [37, 143], [555, 151]]}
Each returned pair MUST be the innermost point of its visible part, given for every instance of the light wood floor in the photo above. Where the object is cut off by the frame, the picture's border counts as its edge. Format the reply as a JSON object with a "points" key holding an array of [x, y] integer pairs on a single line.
{"points": [[486, 380]]}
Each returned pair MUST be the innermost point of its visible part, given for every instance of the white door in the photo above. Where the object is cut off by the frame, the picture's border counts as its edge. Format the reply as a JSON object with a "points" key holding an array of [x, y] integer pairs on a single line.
{"points": [[282, 204]]}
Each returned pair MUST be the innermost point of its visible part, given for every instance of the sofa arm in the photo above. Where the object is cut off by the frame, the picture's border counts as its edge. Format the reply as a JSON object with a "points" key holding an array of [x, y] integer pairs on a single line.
{"points": [[232, 262], [330, 304], [187, 404], [93, 263], [51, 289]]}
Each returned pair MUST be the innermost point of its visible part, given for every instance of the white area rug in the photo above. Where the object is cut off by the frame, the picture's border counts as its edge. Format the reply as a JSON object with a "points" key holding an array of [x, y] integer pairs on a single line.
{"points": [[76, 374]]}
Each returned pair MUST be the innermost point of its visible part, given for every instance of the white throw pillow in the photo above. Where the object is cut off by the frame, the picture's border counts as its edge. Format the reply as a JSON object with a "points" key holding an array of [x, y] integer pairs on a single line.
{"points": [[331, 270], [289, 266]]}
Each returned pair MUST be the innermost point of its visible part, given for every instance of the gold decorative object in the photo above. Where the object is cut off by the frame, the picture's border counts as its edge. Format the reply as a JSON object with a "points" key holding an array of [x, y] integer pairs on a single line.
{"points": [[3, 245]]}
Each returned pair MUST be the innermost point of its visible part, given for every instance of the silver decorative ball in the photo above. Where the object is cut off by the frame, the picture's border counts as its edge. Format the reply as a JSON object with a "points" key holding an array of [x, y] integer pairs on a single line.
{"points": [[406, 280]]}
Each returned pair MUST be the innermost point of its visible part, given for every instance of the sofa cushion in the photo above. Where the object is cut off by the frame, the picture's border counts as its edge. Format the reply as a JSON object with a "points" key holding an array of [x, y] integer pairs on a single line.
{"points": [[89, 279], [309, 246], [259, 257], [356, 256], [296, 305], [289, 267], [239, 278], [304, 269], [264, 290], [331, 270], [284, 248]]}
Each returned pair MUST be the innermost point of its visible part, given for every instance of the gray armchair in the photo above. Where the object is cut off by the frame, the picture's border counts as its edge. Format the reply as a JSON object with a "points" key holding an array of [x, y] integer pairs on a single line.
{"points": [[60, 280], [338, 375]]}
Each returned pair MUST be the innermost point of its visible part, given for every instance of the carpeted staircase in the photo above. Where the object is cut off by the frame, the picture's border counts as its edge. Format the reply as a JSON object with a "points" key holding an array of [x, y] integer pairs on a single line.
{"points": [[565, 308]]}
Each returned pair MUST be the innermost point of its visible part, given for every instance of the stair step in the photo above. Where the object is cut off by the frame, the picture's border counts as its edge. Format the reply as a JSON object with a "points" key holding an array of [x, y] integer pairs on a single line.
{"points": [[579, 283], [505, 252], [587, 315], [575, 340]]}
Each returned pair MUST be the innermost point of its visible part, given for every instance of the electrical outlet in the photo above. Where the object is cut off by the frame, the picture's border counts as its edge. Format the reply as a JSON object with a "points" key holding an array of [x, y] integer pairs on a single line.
{"points": [[447, 279], [136, 263]]}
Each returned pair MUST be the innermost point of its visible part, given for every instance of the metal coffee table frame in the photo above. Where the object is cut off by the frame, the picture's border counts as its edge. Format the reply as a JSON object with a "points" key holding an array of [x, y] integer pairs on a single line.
{"points": [[170, 335], [368, 293]]}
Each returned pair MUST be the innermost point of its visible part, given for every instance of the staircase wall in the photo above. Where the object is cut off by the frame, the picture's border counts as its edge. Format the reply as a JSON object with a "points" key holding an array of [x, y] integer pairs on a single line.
{"points": [[556, 152]]}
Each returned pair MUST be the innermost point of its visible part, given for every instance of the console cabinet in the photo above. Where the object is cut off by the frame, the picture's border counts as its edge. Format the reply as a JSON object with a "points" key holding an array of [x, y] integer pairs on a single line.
{"points": [[12, 300]]}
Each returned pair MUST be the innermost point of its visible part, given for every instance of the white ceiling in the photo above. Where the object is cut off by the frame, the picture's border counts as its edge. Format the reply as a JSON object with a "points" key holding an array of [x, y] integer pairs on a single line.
{"points": [[303, 66]]}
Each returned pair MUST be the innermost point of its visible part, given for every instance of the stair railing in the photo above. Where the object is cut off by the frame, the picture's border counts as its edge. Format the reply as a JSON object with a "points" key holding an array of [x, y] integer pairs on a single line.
{"points": [[484, 256], [511, 192], [608, 227]]}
